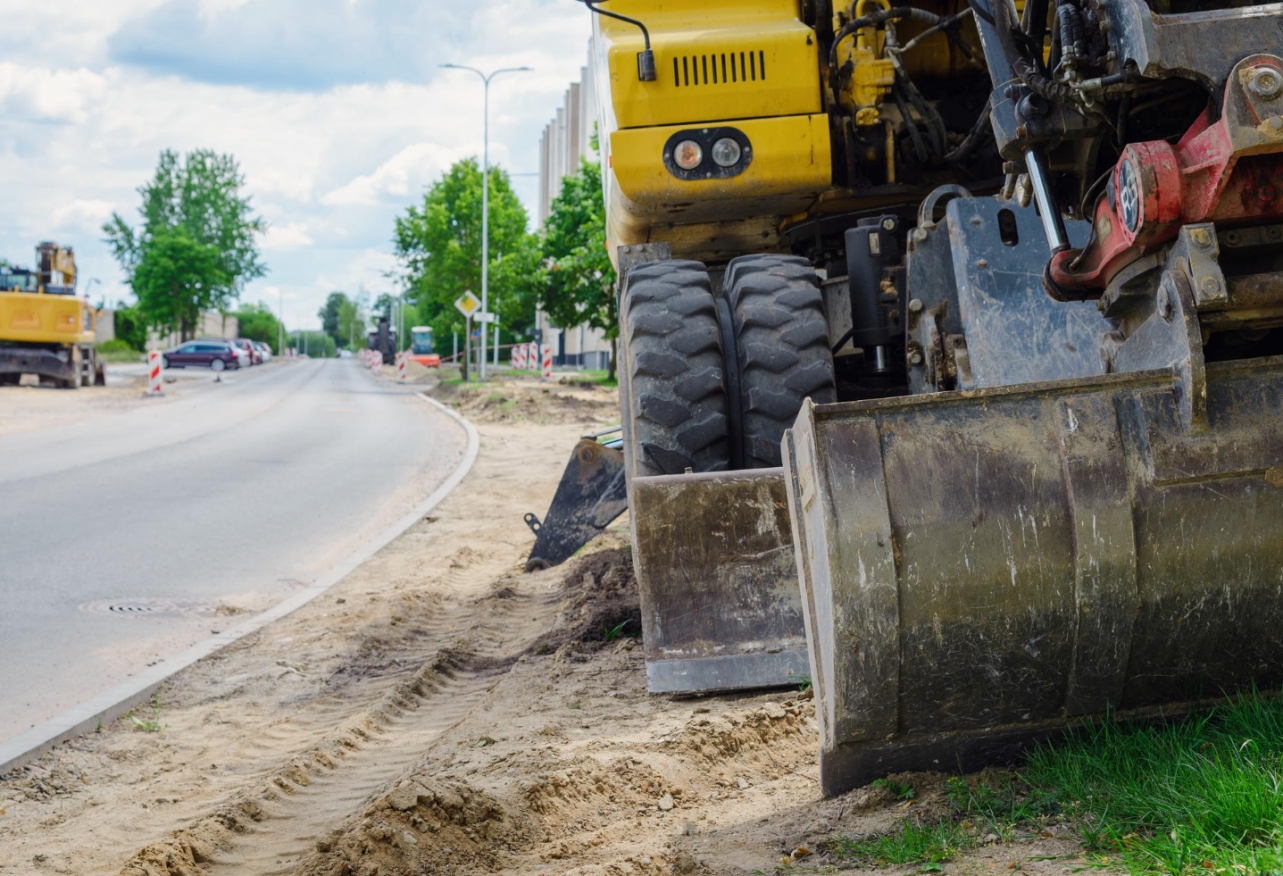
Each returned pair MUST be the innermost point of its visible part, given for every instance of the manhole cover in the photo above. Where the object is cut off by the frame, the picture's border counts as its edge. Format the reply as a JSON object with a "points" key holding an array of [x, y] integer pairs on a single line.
{"points": [[149, 608]]}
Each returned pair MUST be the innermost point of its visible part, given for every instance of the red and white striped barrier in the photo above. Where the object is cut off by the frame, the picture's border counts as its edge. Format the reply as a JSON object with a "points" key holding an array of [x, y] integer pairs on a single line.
{"points": [[519, 357], [532, 357], [402, 368], [155, 373], [547, 362]]}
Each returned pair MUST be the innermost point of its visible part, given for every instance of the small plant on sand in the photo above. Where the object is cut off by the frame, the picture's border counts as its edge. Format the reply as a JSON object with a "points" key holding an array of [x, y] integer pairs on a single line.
{"points": [[610, 634], [148, 725], [900, 790]]}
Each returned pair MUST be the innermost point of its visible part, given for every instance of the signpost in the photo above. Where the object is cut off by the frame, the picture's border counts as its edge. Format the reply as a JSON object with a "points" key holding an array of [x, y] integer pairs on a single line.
{"points": [[469, 305]]}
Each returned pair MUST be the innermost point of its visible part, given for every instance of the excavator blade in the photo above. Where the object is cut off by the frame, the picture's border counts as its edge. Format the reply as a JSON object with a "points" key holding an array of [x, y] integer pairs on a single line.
{"points": [[592, 494], [721, 609], [986, 568]]}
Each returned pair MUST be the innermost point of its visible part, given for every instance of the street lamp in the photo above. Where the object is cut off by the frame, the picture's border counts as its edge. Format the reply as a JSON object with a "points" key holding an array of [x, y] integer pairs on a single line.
{"points": [[485, 196]]}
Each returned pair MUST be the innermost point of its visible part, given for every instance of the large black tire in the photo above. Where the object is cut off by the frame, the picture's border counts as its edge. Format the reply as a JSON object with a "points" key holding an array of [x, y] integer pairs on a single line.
{"points": [[674, 393], [782, 345]]}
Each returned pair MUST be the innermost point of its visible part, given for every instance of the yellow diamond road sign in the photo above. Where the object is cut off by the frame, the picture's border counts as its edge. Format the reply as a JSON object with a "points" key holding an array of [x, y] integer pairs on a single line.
{"points": [[468, 304]]}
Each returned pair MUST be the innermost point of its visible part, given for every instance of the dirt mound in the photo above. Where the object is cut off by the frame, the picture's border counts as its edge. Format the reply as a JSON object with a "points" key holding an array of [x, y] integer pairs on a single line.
{"points": [[770, 730], [513, 399], [417, 827], [599, 604]]}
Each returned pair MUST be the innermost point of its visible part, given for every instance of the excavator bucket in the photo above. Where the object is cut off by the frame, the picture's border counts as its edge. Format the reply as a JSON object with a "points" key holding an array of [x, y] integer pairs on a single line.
{"points": [[721, 609], [592, 494], [981, 569]]}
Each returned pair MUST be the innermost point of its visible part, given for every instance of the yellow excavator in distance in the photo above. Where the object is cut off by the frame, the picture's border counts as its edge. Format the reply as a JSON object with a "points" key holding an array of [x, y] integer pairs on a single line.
{"points": [[46, 329]]}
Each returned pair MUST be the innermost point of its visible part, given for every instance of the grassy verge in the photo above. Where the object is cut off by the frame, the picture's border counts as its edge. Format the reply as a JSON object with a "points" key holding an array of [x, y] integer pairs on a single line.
{"points": [[995, 806], [1203, 795], [593, 376], [117, 356]]}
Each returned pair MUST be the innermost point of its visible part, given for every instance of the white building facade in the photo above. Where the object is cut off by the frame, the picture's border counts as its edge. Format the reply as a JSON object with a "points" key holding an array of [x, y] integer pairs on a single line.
{"points": [[567, 139]]}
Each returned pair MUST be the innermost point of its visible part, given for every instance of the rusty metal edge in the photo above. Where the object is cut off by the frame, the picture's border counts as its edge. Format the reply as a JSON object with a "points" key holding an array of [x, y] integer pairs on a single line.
{"points": [[707, 675], [853, 765], [1159, 379], [96, 712]]}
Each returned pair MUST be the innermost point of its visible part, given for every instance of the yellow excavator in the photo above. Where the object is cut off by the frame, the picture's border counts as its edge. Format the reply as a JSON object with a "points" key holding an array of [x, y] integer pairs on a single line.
{"points": [[950, 359], [46, 329]]}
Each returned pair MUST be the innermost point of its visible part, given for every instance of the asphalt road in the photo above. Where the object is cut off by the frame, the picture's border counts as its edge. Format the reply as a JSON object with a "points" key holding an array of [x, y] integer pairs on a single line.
{"points": [[127, 538]]}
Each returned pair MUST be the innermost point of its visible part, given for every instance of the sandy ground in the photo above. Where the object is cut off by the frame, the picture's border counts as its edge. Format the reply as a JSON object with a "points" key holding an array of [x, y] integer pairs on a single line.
{"points": [[441, 712]]}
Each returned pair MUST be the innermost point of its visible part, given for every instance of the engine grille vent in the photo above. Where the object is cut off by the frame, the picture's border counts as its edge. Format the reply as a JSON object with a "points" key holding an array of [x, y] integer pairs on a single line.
{"points": [[721, 68]]}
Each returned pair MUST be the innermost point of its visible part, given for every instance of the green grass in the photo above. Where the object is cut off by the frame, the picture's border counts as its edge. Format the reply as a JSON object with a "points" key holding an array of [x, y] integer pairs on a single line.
{"points": [[994, 805], [1195, 796], [117, 350], [593, 376], [1202, 794], [929, 845]]}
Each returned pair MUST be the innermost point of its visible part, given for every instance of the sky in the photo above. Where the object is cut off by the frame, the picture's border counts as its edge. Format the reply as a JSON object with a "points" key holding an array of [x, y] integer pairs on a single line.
{"points": [[337, 110]]}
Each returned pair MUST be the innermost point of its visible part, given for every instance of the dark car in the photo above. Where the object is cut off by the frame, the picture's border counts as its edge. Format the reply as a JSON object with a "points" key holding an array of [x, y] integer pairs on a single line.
{"points": [[216, 355], [255, 357]]}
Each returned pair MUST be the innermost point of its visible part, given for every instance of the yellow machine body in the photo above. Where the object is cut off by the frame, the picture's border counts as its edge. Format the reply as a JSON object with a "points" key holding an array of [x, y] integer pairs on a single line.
{"points": [[754, 67], [44, 318], [46, 329]]}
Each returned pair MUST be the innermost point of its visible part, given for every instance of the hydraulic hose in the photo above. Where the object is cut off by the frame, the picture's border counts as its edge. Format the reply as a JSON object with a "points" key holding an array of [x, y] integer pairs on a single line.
{"points": [[646, 71], [1005, 27], [977, 135], [873, 19]]}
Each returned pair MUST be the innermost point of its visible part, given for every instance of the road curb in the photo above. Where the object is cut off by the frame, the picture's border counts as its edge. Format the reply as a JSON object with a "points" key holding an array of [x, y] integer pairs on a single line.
{"points": [[101, 710]]}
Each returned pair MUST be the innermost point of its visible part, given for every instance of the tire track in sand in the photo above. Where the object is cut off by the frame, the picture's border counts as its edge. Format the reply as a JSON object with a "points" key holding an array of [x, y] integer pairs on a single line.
{"points": [[276, 820]]}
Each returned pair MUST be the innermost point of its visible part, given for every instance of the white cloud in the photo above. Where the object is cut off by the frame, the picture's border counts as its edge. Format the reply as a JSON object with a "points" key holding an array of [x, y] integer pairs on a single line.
{"points": [[291, 236], [329, 166], [81, 216], [42, 94], [411, 169]]}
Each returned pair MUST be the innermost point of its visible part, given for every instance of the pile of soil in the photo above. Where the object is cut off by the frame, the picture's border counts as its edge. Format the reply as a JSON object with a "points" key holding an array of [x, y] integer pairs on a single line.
{"points": [[514, 398]]}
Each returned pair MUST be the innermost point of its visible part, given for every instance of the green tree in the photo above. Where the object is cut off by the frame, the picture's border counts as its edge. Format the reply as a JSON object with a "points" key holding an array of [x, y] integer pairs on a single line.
{"points": [[578, 281], [195, 220], [439, 245], [329, 315], [259, 323], [352, 324], [131, 327], [319, 345], [176, 279]]}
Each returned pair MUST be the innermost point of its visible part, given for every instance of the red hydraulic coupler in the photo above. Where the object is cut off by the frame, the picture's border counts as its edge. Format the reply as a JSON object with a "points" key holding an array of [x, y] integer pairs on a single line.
{"points": [[1228, 171]]}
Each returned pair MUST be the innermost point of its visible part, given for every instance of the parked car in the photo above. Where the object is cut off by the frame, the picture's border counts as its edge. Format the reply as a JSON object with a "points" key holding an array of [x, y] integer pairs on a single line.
{"points": [[213, 354], [255, 357], [264, 350]]}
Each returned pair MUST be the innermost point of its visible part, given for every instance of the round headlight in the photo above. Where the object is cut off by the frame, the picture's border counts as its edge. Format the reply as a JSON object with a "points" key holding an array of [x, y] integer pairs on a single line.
{"points": [[688, 155], [727, 152]]}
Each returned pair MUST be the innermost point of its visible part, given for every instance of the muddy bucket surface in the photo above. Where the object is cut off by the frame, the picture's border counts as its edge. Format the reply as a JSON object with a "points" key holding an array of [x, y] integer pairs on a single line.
{"points": [[721, 609], [980, 569]]}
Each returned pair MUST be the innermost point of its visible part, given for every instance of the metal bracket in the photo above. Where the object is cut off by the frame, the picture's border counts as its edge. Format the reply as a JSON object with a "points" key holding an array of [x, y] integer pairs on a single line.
{"points": [[1172, 338], [630, 257]]}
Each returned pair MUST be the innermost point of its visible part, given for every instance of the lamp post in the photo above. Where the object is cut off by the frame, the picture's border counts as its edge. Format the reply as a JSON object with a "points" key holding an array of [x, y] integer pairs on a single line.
{"points": [[485, 196]]}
